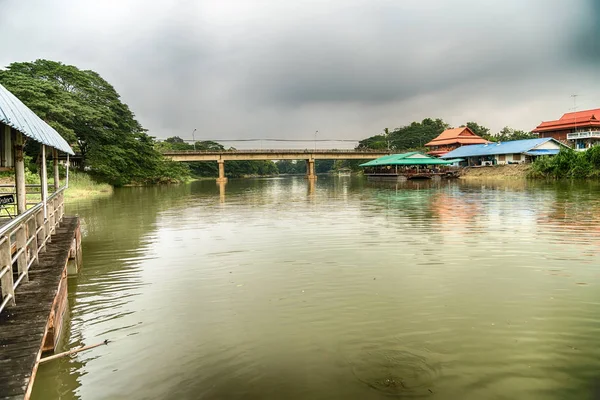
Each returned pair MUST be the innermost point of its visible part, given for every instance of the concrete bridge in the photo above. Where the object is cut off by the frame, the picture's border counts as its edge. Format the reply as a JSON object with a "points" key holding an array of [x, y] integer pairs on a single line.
{"points": [[220, 156]]}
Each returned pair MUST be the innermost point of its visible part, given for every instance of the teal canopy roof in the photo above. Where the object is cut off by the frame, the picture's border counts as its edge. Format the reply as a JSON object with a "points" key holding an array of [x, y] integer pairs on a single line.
{"points": [[412, 158]]}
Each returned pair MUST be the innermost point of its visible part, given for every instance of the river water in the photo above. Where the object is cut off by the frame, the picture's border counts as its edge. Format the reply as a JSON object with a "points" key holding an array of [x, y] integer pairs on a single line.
{"points": [[278, 289]]}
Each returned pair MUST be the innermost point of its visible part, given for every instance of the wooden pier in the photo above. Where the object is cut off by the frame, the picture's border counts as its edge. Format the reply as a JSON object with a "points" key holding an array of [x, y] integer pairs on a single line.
{"points": [[38, 248], [36, 261]]}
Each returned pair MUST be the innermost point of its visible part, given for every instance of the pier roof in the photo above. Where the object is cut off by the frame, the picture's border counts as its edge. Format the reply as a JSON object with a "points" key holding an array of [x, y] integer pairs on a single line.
{"points": [[18, 116]]}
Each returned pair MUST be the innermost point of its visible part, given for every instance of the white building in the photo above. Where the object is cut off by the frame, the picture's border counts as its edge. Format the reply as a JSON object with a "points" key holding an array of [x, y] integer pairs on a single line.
{"points": [[513, 152]]}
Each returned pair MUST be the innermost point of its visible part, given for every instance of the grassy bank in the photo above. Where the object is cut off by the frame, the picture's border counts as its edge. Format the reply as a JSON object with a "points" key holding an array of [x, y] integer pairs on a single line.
{"points": [[82, 186], [516, 171]]}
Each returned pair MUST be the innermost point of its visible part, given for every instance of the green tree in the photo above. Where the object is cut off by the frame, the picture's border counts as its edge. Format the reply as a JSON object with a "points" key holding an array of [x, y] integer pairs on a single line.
{"points": [[417, 134], [507, 134], [88, 112], [479, 130], [568, 164], [291, 167], [406, 138], [323, 166], [377, 142]]}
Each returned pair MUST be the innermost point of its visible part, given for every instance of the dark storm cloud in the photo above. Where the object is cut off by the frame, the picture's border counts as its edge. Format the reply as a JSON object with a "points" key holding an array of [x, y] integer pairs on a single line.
{"points": [[268, 68], [587, 43], [396, 53]]}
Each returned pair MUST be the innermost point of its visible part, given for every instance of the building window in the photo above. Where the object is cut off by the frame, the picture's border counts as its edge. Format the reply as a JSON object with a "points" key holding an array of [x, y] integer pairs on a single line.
{"points": [[502, 157], [516, 157]]}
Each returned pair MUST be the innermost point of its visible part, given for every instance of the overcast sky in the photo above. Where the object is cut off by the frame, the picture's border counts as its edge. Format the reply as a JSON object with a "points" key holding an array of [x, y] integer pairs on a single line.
{"points": [[347, 68]]}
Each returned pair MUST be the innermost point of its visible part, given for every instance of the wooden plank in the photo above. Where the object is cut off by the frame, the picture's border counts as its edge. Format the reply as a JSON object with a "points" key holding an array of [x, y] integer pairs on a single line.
{"points": [[22, 327]]}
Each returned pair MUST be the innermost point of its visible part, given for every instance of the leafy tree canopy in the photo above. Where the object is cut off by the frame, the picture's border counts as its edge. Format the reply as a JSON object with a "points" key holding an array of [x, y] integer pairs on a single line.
{"points": [[409, 137], [417, 134], [88, 112], [479, 130]]}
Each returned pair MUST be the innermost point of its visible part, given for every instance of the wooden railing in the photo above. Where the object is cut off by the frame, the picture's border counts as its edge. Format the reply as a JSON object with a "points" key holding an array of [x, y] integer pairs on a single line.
{"points": [[22, 240]]}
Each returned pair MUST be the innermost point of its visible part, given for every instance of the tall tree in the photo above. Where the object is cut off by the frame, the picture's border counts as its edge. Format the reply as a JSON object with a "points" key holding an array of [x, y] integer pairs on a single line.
{"points": [[507, 134], [409, 137], [479, 130], [88, 112], [417, 134]]}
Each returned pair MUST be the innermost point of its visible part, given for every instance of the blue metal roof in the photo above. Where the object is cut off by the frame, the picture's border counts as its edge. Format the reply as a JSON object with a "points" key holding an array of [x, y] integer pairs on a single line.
{"points": [[18, 116], [543, 152], [490, 149]]}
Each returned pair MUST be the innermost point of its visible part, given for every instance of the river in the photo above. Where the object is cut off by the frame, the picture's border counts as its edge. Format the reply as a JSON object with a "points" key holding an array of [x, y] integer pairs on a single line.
{"points": [[278, 289]]}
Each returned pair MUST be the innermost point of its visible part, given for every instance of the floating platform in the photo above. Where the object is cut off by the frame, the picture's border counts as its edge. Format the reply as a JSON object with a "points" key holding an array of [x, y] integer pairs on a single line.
{"points": [[379, 177]]}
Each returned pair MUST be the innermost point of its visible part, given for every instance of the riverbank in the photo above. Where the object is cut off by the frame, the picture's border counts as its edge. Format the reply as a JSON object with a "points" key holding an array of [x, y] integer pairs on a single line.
{"points": [[516, 171], [82, 186]]}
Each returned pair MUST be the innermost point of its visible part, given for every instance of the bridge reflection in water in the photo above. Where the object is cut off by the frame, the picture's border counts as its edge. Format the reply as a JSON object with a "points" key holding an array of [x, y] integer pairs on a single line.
{"points": [[311, 185]]}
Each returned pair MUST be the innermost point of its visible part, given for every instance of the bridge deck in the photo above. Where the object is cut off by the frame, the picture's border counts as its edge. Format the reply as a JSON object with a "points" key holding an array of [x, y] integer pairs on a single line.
{"points": [[273, 154], [22, 327]]}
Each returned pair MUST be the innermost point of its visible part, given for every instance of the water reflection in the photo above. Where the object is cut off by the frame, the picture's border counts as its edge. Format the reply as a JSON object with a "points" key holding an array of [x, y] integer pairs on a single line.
{"points": [[336, 289], [221, 191]]}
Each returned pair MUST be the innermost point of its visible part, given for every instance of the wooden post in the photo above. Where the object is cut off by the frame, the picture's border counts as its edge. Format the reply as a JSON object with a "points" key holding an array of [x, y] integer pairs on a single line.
{"points": [[6, 280], [22, 260], [51, 220], [67, 174], [41, 235], [4, 131], [56, 174], [62, 205], [32, 228], [44, 182], [19, 162]]}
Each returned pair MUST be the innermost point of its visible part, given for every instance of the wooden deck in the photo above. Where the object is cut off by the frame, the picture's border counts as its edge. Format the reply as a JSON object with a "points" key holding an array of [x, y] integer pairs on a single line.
{"points": [[22, 327]]}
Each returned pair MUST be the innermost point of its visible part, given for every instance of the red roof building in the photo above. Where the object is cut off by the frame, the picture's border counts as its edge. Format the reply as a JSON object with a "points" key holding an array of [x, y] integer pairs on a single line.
{"points": [[581, 128], [452, 139]]}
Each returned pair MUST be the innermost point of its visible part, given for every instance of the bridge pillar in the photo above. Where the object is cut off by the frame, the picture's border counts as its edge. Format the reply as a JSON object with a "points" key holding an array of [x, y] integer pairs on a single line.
{"points": [[221, 178], [310, 169]]}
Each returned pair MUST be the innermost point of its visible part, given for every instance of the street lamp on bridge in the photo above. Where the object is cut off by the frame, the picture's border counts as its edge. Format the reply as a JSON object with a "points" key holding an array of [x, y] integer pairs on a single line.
{"points": [[194, 138], [316, 140]]}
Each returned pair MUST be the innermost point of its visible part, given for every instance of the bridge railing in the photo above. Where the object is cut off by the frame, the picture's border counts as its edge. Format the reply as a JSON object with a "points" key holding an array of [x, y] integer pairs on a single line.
{"points": [[21, 241], [276, 151]]}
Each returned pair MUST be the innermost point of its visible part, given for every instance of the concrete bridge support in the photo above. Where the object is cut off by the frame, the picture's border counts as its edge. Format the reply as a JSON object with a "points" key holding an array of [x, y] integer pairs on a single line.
{"points": [[222, 178], [310, 169]]}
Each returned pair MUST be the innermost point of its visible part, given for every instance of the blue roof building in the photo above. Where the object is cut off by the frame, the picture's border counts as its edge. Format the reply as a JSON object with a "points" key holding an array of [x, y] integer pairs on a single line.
{"points": [[513, 152]]}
